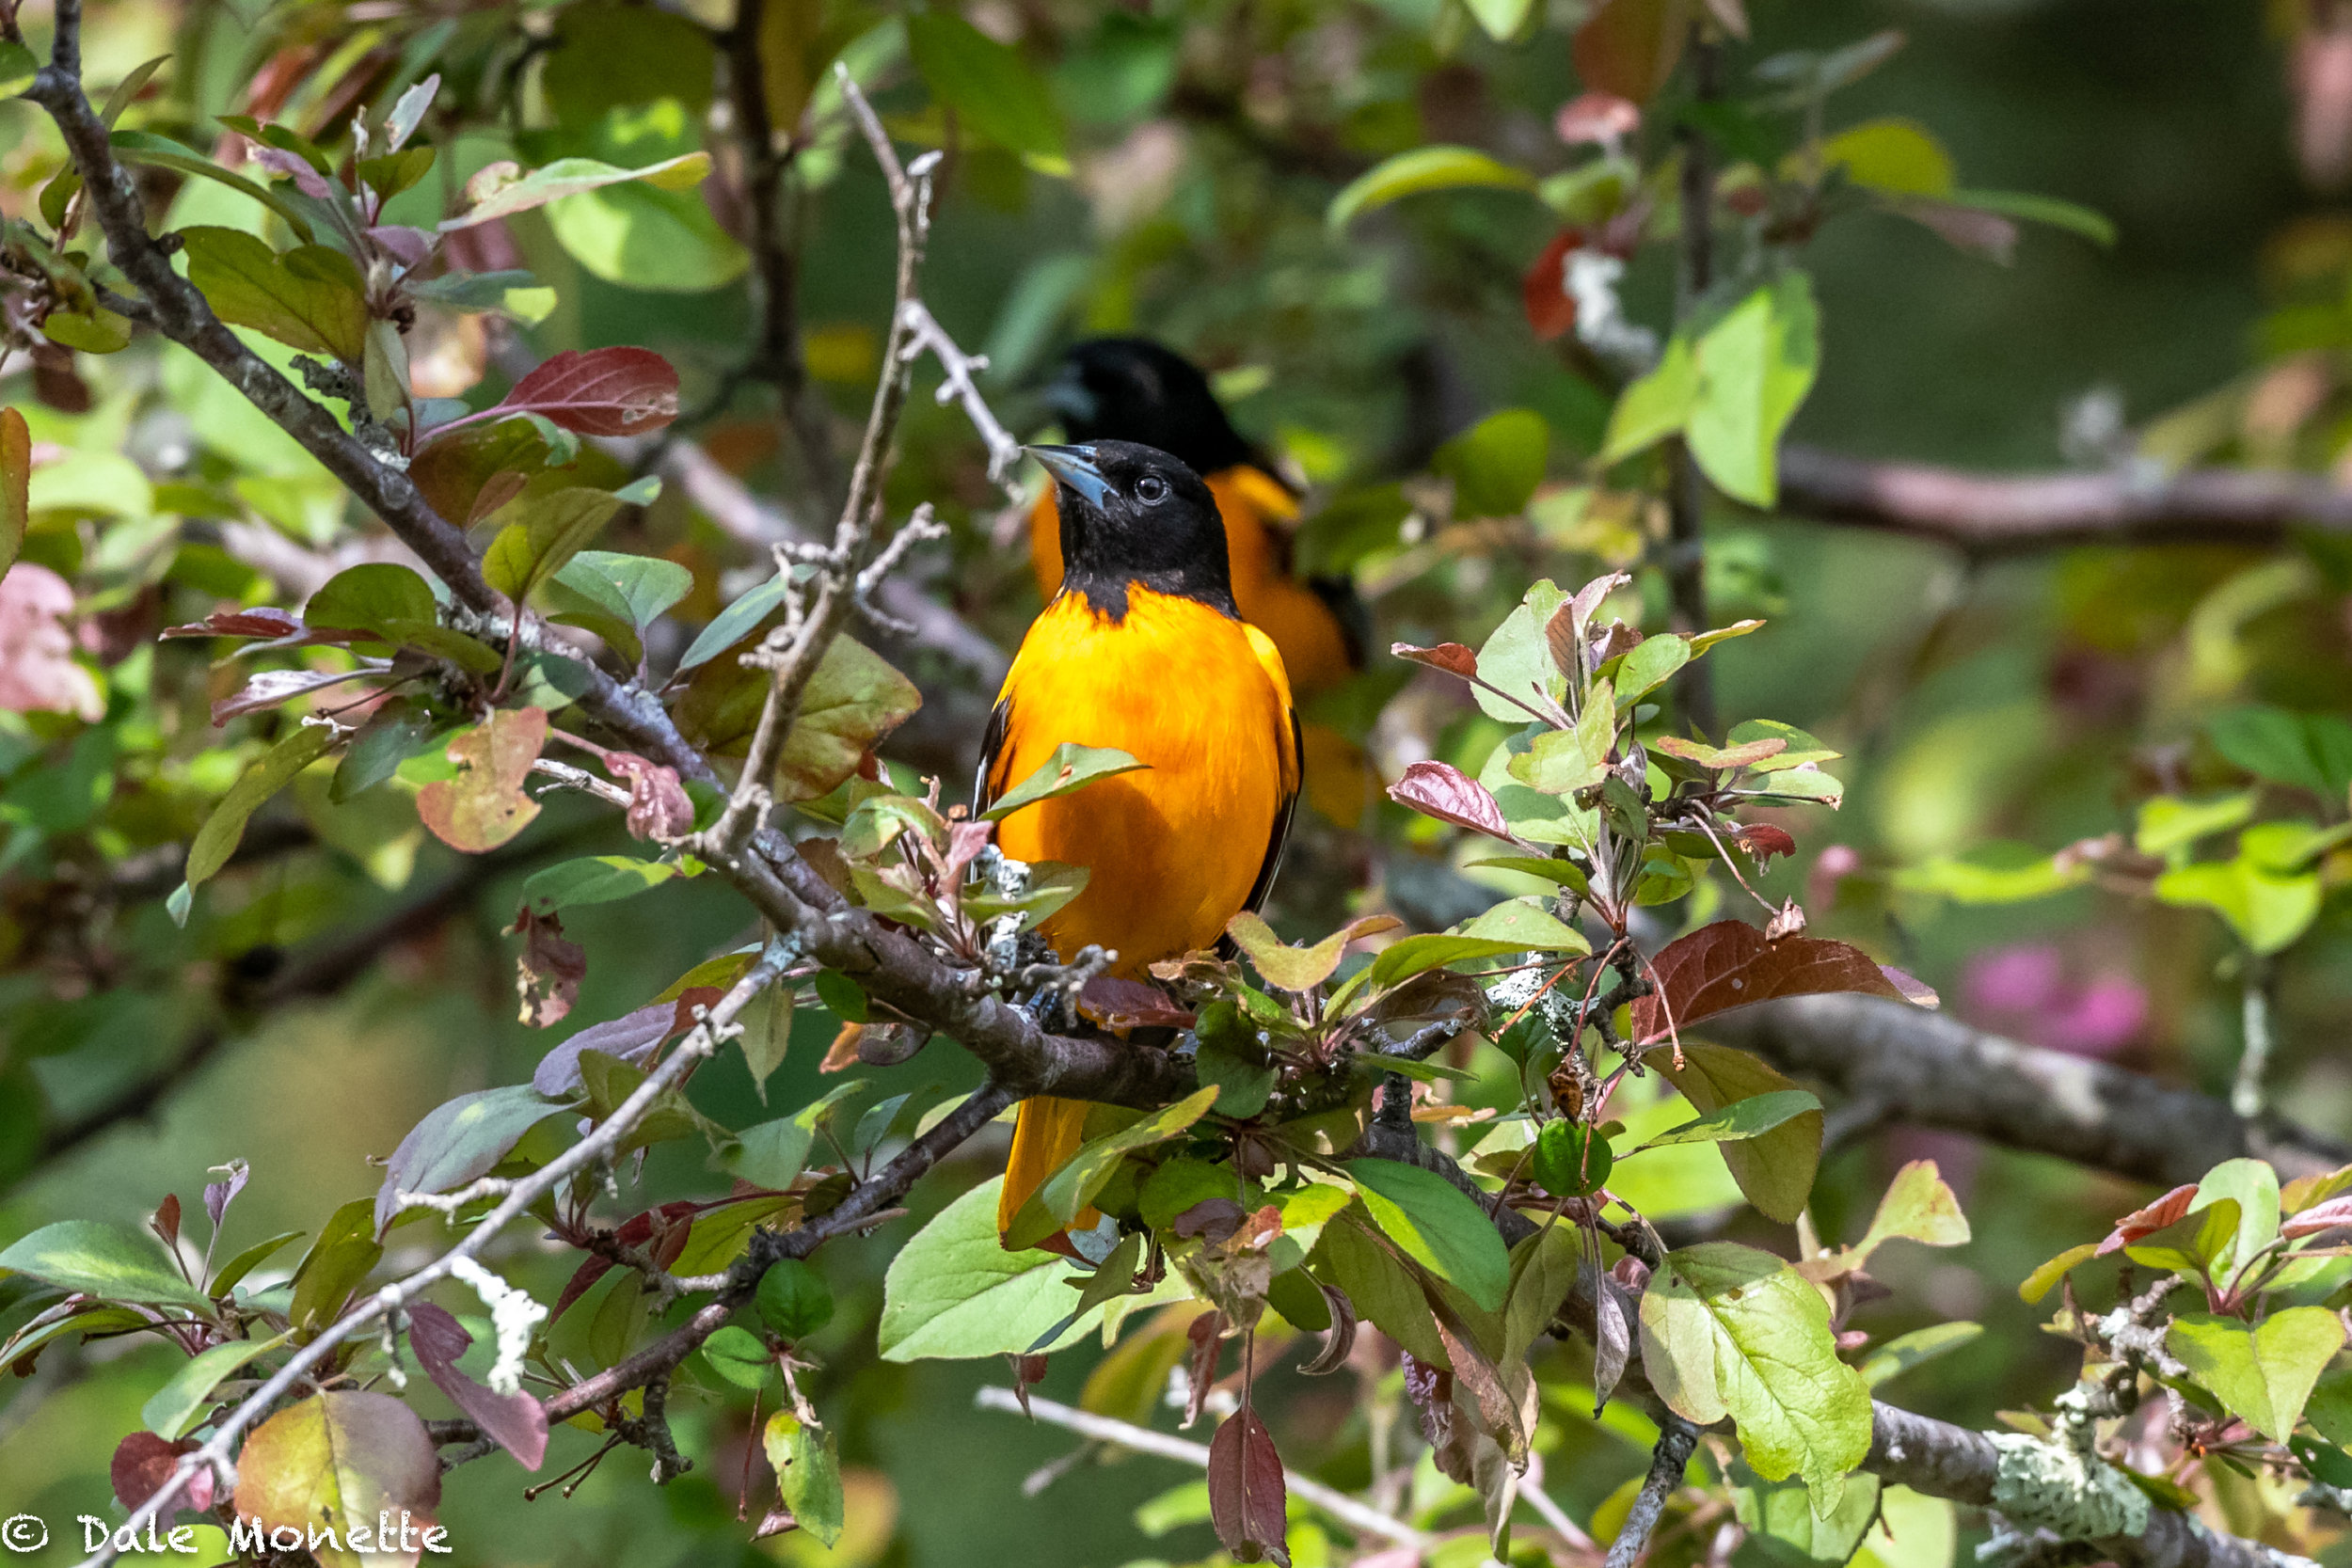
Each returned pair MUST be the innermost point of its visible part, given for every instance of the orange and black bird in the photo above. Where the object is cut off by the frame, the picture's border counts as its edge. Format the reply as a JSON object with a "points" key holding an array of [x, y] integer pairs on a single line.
{"points": [[1134, 390], [1144, 649]]}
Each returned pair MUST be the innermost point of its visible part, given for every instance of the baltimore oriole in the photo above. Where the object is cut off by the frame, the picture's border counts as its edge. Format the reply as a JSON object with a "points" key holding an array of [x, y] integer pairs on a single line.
{"points": [[1134, 390], [1142, 649]]}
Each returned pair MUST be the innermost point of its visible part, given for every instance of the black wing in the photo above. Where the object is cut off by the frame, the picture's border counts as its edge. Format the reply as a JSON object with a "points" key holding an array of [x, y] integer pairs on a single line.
{"points": [[1288, 809], [991, 744]]}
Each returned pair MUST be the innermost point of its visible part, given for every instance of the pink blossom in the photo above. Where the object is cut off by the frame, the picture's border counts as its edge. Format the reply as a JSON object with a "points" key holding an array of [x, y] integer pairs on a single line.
{"points": [[37, 669]]}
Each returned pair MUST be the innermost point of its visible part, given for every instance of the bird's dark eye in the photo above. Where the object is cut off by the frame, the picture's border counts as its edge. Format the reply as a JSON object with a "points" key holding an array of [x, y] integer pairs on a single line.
{"points": [[1150, 489]]}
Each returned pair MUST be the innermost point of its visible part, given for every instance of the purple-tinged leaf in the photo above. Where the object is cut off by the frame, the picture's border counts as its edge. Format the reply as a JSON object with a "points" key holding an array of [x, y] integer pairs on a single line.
{"points": [[633, 1038], [1339, 1340], [605, 392], [1246, 1494], [269, 688], [1443, 791], [458, 1141], [144, 1462], [516, 1421], [218, 1196]]}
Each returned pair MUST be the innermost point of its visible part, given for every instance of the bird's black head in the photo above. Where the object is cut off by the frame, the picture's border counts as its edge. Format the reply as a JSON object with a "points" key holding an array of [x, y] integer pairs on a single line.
{"points": [[1130, 515], [1134, 390]]}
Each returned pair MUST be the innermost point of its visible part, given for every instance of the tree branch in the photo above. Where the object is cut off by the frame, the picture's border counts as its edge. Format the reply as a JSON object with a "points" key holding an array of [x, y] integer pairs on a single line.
{"points": [[2004, 514], [1358, 1516], [1675, 1439], [1930, 1070]]}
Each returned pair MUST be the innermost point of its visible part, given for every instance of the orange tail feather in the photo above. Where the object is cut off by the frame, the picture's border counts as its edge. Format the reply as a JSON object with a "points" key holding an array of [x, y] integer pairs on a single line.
{"points": [[1047, 1132]]}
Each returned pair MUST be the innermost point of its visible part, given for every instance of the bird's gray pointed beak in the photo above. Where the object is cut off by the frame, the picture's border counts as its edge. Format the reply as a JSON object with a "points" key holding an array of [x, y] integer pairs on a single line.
{"points": [[1075, 467]]}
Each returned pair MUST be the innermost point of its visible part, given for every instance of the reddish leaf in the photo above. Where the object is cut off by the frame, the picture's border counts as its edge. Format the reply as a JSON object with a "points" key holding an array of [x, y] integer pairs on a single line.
{"points": [[1763, 840], [1245, 1492], [2169, 1209], [1453, 658], [1430, 1388], [485, 805], [167, 1220], [658, 803], [1731, 963], [1206, 1333], [1215, 1219], [1339, 1340], [144, 1462], [604, 391], [1443, 791], [1550, 309], [672, 1222], [2330, 1216], [549, 974], [1116, 1004], [1720, 758], [1629, 48], [267, 622], [515, 1420], [218, 1196], [269, 688]]}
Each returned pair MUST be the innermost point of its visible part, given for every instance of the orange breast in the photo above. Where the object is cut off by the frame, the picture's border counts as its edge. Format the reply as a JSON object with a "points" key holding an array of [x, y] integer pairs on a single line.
{"points": [[1255, 508], [1174, 849]]}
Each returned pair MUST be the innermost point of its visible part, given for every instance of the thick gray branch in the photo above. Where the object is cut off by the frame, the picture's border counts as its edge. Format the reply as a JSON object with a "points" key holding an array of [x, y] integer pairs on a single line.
{"points": [[1997, 513], [1930, 1070]]}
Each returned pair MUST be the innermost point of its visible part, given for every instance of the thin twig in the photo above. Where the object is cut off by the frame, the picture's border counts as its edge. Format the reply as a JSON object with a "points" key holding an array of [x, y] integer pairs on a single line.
{"points": [[1358, 1516], [1676, 1437]]}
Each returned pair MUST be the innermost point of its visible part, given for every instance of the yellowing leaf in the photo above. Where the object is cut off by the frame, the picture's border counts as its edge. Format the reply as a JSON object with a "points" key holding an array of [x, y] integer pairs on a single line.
{"points": [[485, 805], [335, 1462], [1423, 168]]}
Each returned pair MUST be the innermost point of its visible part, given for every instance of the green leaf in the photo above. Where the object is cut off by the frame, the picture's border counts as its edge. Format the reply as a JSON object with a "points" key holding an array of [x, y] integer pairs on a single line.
{"points": [[100, 1260], [1423, 168], [173, 1408], [1071, 769], [1898, 156], [1497, 464], [232, 1272], [459, 1140], [517, 192], [1655, 406], [217, 840], [311, 298], [2251, 1188], [1382, 1290], [794, 1301], [1754, 367], [1560, 762], [2169, 822], [1904, 1351], [1570, 1160], [1400, 961], [377, 597], [94, 331], [1179, 1184], [595, 880], [1530, 926], [1516, 660], [2306, 751], [773, 1153], [145, 147], [2043, 1279], [1436, 1226], [737, 1355], [395, 172], [1781, 1522], [1650, 664], [2260, 1374], [1776, 1168], [989, 86], [18, 66], [616, 596], [642, 237], [2058, 213], [542, 533], [1727, 1330], [16, 479], [735, 622], [1742, 1118], [811, 1477], [1502, 19], [954, 1292], [511, 293], [1072, 1186], [2267, 909], [853, 700]]}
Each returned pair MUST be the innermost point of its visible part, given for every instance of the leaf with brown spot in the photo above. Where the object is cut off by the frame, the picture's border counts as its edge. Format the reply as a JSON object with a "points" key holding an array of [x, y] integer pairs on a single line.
{"points": [[485, 805], [1720, 758], [1247, 1493], [659, 807], [1117, 1004], [547, 976], [16, 483], [336, 1460], [1443, 791]]}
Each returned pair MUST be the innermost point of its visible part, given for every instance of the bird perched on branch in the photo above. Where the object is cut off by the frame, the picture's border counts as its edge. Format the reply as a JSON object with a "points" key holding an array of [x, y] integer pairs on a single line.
{"points": [[1141, 649], [1134, 390]]}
